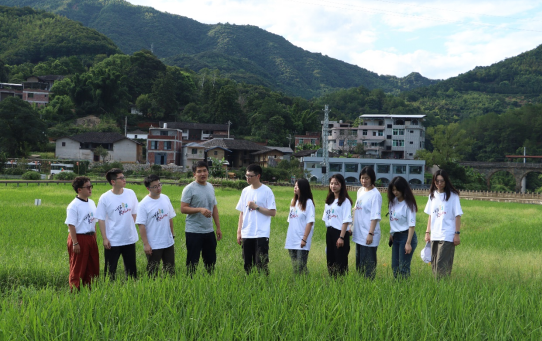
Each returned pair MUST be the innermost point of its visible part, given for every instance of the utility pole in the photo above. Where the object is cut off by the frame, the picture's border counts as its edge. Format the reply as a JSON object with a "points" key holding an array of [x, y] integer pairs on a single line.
{"points": [[524, 180], [325, 151], [229, 124], [125, 125]]}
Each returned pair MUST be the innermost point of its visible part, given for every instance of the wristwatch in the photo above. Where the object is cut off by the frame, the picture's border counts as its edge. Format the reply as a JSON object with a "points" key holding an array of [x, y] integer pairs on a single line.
{"points": [[257, 208], [457, 232]]}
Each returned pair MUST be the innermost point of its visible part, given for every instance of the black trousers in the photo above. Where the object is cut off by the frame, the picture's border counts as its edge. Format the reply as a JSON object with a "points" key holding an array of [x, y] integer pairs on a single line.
{"points": [[337, 257], [256, 252], [112, 255], [167, 256], [299, 260], [200, 243]]}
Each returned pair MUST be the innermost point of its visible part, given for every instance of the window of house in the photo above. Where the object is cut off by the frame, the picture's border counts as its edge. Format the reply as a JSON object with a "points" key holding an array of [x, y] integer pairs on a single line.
{"points": [[398, 132], [313, 141], [351, 167], [389, 125], [364, 132], [380, 123], [335, 167], [163, 133], [383, 168], [167, 145], [412, 131], [410, 154], [414, 122], [398, 143], [388, 137], [400, 169], [300, 141], [30, 95], [352, 143], [63, 144], [353, 133], [421, 133], [341, 132], [411, 142], [154, 144], [195, 151], [421, 144], [215, 152], [135, 136], [374, 133], [381, 133], [341, 143], [400, 122], [415, 169]]}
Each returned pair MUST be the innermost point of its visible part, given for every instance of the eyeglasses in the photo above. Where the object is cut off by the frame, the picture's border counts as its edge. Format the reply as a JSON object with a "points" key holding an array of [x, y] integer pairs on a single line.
{"points": [[88, 187], [248, 176], [440, 181], [121, 178], [156, 186]]}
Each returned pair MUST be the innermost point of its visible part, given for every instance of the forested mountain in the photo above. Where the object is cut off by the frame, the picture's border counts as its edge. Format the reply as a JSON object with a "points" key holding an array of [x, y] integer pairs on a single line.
{"points": [[243, 53], [505, 85], [32, 36]]}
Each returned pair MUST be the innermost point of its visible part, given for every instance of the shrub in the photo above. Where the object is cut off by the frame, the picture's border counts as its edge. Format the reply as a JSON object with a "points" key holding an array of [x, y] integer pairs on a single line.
{"points": [[236, 184], [65, 176], [31, 175], [14, 171]]}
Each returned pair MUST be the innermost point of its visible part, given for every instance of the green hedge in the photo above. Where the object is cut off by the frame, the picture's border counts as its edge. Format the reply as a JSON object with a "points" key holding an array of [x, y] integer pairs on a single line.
{"points": [[65, 176], [31, 175]]}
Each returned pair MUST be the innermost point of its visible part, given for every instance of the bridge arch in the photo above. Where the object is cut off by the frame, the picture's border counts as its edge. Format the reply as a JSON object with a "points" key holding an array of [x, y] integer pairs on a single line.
{"points": [[518, 170]]}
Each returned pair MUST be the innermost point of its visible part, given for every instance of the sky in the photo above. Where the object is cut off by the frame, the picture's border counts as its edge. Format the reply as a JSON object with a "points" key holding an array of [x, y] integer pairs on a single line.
{"points": [[439, 39]]}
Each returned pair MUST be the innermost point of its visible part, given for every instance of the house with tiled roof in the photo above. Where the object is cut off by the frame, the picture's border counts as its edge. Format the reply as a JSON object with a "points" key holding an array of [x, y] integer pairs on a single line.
{"points": [[82, 147], [240, 151]]}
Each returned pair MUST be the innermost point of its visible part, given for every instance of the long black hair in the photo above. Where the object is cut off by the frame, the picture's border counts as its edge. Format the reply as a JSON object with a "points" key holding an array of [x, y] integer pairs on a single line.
{"points": [[448, 187], [402, 186], [305, 193], [343, 194]]}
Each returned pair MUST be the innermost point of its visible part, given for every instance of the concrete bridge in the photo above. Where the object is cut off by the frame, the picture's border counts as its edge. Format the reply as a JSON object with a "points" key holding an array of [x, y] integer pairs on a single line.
{"points": [[518, 170]]}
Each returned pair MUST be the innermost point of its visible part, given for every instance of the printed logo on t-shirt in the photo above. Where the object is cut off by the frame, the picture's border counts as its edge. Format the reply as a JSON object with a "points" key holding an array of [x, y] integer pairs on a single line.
{"points": [[358, 204], [439, 211], [250, 209], [122, 209], [393, 216], [331, 214], [159, 215], [89, 218], [294, 213]]}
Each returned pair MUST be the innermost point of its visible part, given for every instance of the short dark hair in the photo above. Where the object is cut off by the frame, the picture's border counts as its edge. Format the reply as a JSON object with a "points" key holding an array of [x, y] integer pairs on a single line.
{"points": [[199, 164], [255, 168], [150, 178], [370, 172], [79, 182], [112, 174]]}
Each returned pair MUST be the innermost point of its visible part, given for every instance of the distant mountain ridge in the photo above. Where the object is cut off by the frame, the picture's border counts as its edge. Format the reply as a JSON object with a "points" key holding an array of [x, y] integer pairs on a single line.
{"points": [[244, 53]]}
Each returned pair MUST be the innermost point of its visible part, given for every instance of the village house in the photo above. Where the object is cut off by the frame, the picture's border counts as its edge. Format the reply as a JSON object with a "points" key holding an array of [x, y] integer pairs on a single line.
{"points": [[83, 146], [164, 146]]}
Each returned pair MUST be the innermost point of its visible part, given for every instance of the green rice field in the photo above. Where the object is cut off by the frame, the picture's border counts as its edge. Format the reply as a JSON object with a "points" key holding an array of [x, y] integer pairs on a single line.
{"points": [[494, 292]]}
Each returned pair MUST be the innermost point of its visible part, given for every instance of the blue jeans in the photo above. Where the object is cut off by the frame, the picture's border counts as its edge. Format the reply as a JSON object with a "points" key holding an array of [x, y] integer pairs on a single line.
{"points": [[400, 262]]}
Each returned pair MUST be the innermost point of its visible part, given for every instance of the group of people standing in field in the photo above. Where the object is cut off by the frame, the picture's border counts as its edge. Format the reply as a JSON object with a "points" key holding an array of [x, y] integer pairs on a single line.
{"points": [[118, 212]]}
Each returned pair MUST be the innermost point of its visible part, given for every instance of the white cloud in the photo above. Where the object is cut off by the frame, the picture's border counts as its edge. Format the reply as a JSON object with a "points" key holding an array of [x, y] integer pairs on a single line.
{"points": [[436, 38]]}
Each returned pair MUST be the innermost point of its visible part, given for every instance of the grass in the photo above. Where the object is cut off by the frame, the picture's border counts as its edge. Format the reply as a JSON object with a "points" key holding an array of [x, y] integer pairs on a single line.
{"points": [[493, 293]]}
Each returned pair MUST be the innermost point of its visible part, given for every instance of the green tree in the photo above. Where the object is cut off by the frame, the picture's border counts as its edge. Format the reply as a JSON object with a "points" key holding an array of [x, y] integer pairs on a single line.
{"points": [[21, 129], [450, 143], [102, 152]]}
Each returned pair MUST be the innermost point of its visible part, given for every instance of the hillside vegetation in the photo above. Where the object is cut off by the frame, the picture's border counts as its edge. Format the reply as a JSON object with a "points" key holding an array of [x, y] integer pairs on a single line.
{"points": [[242, 53], [32, 36]]}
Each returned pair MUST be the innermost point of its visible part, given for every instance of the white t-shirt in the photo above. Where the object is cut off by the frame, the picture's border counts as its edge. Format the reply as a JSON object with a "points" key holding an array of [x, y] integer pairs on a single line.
{"points": [[443, 215], [81, 214], [401, 217], [298, 220], [117, 211], [368, 207], [256, 224], [155, 214], [335, 215]]}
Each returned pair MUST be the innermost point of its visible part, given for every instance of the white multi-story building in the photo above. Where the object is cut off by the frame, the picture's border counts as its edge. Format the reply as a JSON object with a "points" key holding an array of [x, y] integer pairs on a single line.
{"points": [[382, 136]]}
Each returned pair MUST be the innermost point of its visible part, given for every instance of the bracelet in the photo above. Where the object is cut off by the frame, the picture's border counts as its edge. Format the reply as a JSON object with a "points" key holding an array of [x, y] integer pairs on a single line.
{"points": [[75, 244], [304, 240], [372, 234], [427, 232], [341, 237]]}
